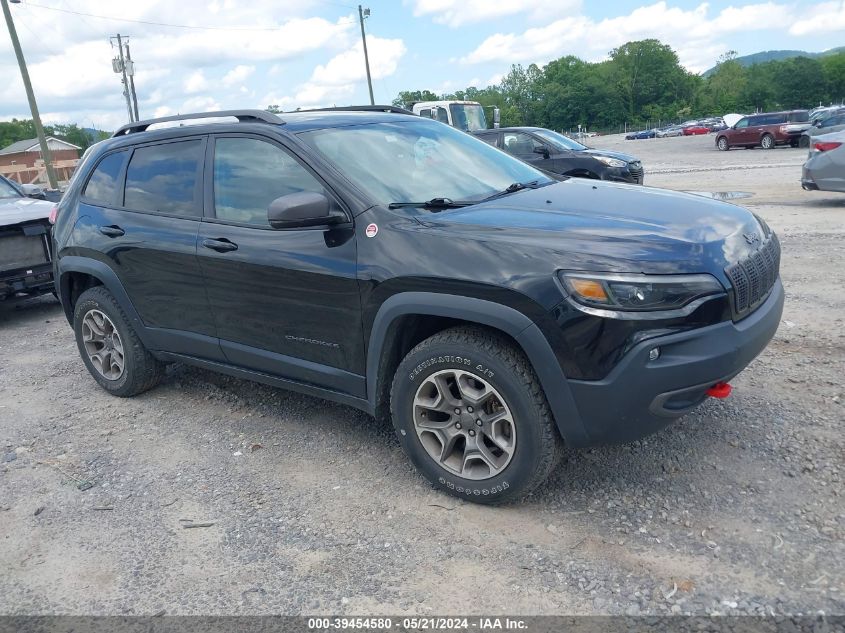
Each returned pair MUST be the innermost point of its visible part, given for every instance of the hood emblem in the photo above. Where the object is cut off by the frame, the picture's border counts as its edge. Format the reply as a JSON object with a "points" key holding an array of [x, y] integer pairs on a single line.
{"points": [[751, 238]]}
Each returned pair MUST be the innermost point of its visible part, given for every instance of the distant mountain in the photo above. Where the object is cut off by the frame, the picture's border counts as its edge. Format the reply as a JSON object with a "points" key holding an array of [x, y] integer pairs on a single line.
{"points": [[770, 56]]}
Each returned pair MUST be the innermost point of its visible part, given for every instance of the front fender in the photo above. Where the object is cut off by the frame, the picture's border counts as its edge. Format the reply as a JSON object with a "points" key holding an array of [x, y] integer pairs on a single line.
{"points": [[503, 318]]}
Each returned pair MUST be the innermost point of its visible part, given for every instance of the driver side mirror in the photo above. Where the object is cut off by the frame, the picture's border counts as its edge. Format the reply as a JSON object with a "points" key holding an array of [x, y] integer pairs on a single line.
{"points": [[542, 150], [301, 209]]}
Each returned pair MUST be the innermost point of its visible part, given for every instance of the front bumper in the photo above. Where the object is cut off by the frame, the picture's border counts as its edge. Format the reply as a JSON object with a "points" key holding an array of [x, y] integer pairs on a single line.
{"points": [[28, 282], [629, 174], [641, 396]]}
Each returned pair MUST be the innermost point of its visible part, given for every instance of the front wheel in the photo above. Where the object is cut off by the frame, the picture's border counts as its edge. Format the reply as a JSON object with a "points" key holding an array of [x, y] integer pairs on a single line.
{"points": [[470, 413], [722, 144], [767, 142]]}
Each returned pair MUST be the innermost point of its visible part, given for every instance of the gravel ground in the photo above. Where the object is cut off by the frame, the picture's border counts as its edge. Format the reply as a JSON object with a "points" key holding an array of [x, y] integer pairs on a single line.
{"points": [[738, 508]]}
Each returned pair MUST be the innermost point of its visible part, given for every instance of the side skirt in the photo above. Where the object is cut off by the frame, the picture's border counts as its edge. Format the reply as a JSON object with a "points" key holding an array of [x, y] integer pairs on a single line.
{"points": [[267, 379]]}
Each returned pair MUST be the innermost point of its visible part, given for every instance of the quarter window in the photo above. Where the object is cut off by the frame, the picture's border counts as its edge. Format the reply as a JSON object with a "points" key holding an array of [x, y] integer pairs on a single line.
{"points": [[103, 185], [249, 174], [165, 178]]}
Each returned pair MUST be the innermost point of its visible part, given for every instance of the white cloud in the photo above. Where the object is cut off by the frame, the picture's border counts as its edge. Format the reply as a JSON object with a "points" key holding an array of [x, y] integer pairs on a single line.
{"points": [[196, 82], [237, 75], [456, 13], [825, 17], [691, 32]]}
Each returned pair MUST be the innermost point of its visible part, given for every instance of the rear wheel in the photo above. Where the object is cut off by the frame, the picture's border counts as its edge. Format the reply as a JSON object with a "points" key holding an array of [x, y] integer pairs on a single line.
{"points": [[722, 144], [469, 411], [767, 142], [110, 349], [804, 142]]}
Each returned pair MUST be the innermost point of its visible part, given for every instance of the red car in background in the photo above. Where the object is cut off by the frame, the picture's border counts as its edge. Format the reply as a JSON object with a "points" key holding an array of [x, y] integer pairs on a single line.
{"points": [[692, 130]]}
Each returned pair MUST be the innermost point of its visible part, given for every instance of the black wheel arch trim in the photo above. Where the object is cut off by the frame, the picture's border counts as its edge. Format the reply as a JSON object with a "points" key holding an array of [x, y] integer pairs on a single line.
{"points": [[500, 317], [109, 279]]}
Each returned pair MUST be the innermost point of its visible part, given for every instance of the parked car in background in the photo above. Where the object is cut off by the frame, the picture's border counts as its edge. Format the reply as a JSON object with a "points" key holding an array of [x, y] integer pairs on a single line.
{"points": [[825, 166], [672, 130], [25, 249], [833, 123], [696, 129], [560, 154], [764, 130]]}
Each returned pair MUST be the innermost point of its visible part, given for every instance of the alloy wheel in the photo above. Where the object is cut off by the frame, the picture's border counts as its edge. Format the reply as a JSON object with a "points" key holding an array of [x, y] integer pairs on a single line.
{"points": [[103, 344], [464, 424]]}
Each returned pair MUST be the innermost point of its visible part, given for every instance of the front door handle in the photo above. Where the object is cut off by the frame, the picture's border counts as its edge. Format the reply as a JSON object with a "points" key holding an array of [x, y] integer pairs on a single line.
{"points": [[112, 231], [221, 245]]}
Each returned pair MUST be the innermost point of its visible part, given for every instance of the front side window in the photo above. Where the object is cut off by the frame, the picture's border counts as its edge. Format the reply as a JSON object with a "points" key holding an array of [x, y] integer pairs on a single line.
{"points": [[520, 144], [249, 174], [103, 185], [417, 160], [165, 178], [742, 123]]}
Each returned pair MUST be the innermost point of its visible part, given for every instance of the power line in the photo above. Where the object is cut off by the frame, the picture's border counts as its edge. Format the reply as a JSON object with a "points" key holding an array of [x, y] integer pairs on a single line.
{"points": [[175, 26]]}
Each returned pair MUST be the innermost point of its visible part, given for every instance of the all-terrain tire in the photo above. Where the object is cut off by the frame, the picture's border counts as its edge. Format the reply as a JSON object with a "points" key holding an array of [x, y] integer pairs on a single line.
{"points": [[141, 371], [498, 363]]}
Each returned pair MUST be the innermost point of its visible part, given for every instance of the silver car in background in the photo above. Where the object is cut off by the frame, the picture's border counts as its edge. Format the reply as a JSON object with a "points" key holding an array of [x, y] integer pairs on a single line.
{"points": [[825, 166]]}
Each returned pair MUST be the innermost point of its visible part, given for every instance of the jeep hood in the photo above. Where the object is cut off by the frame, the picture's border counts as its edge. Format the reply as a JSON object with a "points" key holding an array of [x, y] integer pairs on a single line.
{"points": [[609, 226], [17, 210]]}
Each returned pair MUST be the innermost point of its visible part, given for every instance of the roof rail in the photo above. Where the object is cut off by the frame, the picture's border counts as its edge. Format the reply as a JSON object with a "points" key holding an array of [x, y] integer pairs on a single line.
{"points": [[363, 108], [243, 116]]}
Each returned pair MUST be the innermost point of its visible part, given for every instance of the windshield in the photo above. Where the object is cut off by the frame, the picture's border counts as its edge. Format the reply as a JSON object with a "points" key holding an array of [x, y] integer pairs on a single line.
{"points": [[469, 118], [8, 191], [417, 160], [559, 140]]}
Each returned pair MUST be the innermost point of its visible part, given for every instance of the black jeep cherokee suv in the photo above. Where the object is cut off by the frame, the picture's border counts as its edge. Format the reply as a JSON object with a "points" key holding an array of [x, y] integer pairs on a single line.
{"points": [[406, 268]]}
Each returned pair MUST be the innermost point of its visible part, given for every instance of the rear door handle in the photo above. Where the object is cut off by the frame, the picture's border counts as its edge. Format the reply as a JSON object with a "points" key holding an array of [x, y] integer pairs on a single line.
{"points": [[221, 245], [112, 231]]}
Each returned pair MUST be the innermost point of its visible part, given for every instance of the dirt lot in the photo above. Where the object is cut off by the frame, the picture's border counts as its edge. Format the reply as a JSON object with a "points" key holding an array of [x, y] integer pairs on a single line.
{"points": [[736, 509]]}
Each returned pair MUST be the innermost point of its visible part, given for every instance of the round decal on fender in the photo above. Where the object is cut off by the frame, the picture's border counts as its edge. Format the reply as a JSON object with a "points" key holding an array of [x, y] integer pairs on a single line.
{"points": [[372, 230]]}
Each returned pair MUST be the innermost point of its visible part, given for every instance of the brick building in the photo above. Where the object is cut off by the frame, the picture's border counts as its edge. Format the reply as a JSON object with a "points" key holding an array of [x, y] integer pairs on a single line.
{"points": [[22, 161]]}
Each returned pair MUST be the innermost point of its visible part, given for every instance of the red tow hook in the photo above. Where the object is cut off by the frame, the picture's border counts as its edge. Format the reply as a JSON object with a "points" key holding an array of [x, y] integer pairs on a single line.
{"points": [[720, 390]]}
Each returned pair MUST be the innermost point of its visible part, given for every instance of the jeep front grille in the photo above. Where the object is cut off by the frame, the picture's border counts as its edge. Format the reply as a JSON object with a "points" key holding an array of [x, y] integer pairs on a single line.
{"points": [[753, 277]]}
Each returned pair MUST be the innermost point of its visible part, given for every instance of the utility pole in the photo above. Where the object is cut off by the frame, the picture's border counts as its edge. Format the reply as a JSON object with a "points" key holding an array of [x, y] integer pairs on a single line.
{"points": [[362, 13], [131, 71], [119, 66], [36, 117]]}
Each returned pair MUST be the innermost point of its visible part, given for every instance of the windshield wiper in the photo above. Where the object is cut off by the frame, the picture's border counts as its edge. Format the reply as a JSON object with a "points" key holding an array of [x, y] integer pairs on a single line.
{"points": [[434, 203], [513, 188]]}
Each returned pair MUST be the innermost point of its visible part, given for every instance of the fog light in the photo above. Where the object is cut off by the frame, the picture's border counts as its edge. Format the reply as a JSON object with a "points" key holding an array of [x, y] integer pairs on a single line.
{"points": [[654, 354]]}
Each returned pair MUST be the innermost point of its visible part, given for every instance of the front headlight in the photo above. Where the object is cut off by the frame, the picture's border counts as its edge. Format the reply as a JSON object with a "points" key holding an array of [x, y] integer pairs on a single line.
{"points": [[610, 162], [638, 292]]}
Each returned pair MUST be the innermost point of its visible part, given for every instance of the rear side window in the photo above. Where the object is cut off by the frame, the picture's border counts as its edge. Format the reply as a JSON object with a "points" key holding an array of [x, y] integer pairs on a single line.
{"points": [[799, 117], [103, 186], [165, 178], [249, 174], [490, 139]]}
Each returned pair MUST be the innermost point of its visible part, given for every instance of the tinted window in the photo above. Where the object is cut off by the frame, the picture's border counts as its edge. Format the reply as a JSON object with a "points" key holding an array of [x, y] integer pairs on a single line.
{"points": [[799, 117], [164, 178], [442, 115], [249, 174], [490, 139], [103, 185]]}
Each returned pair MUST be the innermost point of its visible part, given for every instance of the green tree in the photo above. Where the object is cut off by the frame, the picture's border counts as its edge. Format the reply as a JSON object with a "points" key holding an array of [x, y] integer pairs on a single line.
{"points": [[407, 97]]}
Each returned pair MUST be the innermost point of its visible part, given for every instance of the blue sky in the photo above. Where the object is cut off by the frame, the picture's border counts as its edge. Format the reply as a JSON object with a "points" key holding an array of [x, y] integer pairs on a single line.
{"points": [[202, 55]]}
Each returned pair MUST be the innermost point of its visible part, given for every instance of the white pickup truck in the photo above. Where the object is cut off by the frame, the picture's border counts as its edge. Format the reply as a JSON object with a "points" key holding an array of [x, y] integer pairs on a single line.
{"points": [[464, 115]]}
